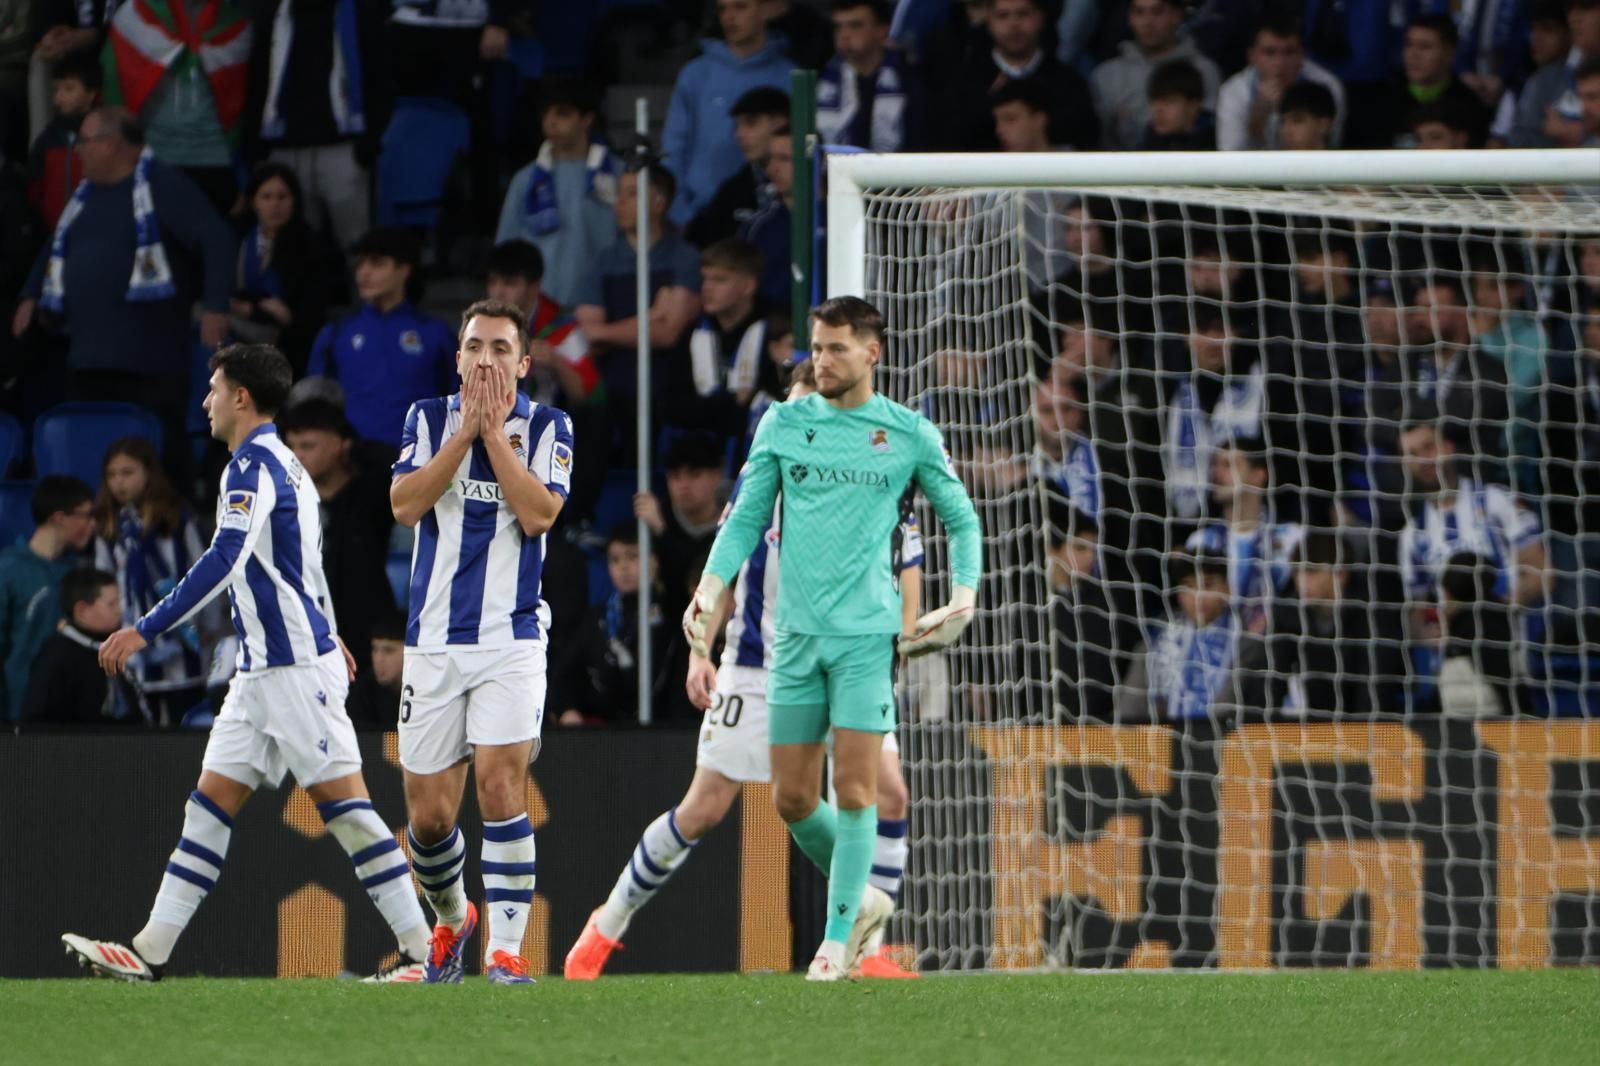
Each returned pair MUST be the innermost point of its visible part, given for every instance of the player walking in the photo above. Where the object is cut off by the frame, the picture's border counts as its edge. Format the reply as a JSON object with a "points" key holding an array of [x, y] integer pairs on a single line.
{"points": [[844, 457], [285, 708], [482, 475], [733, 745]]}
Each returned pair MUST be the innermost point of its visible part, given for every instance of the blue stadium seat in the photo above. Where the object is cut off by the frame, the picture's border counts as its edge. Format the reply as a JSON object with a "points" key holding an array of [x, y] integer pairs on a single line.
{"points": [[10, 442], [16, 512], [424, 139], [398, 567], [72, 438]]}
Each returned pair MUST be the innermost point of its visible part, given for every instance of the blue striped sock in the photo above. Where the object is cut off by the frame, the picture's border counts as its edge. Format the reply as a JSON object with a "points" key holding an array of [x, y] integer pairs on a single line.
{"points": [[509, 866], [381, 866], [438, 869], [889, 855], [192, 872], [659, 853]]}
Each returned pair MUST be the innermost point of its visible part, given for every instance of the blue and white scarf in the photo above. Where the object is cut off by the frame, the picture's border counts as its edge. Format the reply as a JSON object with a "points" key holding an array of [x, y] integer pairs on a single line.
{"points": [[837, 101], [257, 272], [151, 278], [344, 80], [541, 215], [1193, 434], [1188, 666]]}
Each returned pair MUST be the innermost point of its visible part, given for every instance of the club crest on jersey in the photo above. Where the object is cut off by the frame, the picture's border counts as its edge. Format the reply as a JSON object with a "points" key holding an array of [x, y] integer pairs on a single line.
{"points": [[359, 341], [411, 342], [516, 444], [237, 507], [880, 440]]}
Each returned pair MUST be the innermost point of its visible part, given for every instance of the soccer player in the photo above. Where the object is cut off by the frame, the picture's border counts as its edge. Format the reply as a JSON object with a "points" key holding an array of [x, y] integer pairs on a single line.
{"points": [[733, 744], [482, 475], [843, 457], [285, 708]]}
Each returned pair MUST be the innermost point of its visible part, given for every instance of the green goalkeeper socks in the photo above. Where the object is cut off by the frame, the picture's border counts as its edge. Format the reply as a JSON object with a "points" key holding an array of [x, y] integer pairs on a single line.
{"points": [[856, 836], [814, 833]]}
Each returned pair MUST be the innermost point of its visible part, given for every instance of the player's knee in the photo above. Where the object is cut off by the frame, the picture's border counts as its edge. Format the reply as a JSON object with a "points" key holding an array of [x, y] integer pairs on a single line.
{"points": [[699, 816], [793, 803], [501, 795], [431, 824]]}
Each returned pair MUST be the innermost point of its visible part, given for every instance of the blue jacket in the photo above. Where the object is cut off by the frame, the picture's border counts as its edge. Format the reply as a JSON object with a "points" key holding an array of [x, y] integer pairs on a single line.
{"points": [[698, 136], [30, 607], [385, 362]]}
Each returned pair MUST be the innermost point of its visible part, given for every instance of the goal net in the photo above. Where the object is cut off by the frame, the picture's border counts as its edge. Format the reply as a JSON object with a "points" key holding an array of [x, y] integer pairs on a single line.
{"points": [[1289, 642]]}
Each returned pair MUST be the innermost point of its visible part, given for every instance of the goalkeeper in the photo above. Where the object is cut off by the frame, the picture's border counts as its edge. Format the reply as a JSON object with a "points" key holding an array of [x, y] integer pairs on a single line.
{"points": [[842, 459]]}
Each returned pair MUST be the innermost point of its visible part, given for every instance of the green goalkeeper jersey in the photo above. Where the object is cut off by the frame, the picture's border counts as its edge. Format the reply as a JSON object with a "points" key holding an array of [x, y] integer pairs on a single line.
{"points": [[841, 474]]}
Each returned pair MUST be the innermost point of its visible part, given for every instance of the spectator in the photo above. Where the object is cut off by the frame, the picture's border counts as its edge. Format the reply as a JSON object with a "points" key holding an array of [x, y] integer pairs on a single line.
{"points": [[600, 680], [562, 373], [727, 349], [1064, 457], [1247, 103], [757, 115], [1479, 664], [374, 700], [1509, 334], [683, 532], [607, 303], [1257, 546], [1186, 670], [1306, 115], [865, 95], [1085, 631], [282, 293], [564, 201], [1325, 653], [122, 278], [1549, 113], [1224, 396], [67, 29], [1017, 30], [1587, 81], [356, 519], [1439, 125], [1021, 116], [1450, 371], [147, 538], [769, 229], [66, 685], [1179, 121], [1571, 432], [387, 355], [698, 136], [185, 80], [1121, 85], [807, 37], [1428, 76], [53, 168], [30, 579]]}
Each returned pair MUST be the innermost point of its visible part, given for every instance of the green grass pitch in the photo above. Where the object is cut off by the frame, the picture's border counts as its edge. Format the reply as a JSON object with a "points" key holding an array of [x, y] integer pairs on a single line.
{"points": [[1367, 1018]]}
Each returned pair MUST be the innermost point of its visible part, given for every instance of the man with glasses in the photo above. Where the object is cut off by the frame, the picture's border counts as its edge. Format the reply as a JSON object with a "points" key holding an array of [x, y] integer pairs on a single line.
{"points": [[30, 580]]}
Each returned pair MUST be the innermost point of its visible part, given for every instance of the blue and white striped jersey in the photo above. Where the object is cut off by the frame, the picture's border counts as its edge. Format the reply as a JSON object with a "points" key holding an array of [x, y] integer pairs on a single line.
{"points": [[475, 576], [267, 551], [748, 635], [1480, 518]]}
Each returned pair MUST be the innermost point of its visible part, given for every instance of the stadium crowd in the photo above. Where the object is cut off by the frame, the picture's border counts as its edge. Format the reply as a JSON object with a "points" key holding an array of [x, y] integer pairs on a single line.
{"points": [[1363, 464]]}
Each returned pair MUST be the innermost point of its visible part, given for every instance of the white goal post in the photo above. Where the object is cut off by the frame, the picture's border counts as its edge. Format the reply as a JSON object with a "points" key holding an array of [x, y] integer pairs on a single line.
{"points": [[1132, 780]]}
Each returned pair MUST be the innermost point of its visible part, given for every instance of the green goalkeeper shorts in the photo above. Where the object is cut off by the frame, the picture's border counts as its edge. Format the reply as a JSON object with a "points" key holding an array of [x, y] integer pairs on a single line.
{"points": [[820, 682]]}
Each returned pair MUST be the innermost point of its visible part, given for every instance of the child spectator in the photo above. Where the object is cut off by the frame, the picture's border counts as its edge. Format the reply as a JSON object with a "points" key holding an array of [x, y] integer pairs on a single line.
{"points": [[54, 169], [727, 349], [562, 373], [684, 531], [67, 685], [1247, 103], [1223, 396], [1179, 121], [356, 518], [374, 700], [148, 539], [1439, 125], [563, 201], [1306, 115], [1428, 75], [757, 116], [283, 282], [1187, 669], [1121, 84], [1021, 116], [600, 682], [387, 355], [1064, 457], [30, 579]]}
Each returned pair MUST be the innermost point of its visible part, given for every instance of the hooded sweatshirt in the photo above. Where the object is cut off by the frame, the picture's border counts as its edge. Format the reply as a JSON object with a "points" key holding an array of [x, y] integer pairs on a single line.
{"points": [[1121, 90]]}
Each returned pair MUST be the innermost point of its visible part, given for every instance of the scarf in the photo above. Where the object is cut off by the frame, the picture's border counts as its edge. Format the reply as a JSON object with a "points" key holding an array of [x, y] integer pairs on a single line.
{"points": [[1191, 665], [712, 373], [1193, 433], [540, 212], [344, 80], [257, 272], [838, 100], [148, 573], [151, 278], [150, 37]]}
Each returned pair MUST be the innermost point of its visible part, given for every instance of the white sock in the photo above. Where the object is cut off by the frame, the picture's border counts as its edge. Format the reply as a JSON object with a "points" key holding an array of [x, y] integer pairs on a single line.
{"points": [[889, 856], [192, 872], [438, 869], [509, 869], [661, 850], [381, 866]]}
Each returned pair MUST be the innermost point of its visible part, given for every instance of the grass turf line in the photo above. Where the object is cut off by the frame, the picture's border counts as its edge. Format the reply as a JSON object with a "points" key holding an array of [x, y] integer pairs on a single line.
{"points": [[1433, 1017]]}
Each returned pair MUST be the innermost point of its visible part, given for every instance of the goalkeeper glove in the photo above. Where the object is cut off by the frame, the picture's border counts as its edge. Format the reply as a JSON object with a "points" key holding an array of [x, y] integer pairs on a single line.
{"points": [[941, 628], [702, 606]]}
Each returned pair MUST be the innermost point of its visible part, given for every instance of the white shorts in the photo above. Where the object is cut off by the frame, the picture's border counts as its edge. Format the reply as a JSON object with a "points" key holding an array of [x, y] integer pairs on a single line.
{"points": [[733, 736], [452, 701], [287, 719]]}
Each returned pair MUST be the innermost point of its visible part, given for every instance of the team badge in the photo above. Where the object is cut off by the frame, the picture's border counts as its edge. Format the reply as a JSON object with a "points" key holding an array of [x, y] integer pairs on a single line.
{"points": [[411, 342], [880, 440], [359, 341], [408, 451], [516, 444]]}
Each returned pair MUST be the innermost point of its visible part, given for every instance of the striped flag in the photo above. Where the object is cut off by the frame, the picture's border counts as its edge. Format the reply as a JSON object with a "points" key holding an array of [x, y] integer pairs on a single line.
{"points": [[150, 37]]}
